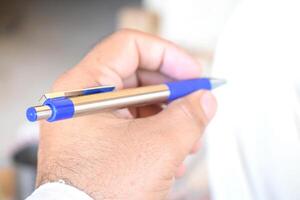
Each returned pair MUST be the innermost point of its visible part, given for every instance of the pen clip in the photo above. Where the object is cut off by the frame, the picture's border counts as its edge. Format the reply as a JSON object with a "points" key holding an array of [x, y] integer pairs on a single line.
{"points": [[78, 92]]}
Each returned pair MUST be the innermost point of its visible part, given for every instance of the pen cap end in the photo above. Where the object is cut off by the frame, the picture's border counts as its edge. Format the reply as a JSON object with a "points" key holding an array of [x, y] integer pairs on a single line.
{"points": [[31, 114]]}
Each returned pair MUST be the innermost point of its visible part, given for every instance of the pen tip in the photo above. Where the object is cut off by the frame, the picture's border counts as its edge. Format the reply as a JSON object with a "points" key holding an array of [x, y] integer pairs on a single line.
{"points": [[217, 83]]}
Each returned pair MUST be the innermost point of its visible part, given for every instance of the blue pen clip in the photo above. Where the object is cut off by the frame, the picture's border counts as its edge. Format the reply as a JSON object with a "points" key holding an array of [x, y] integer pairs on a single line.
{"points": [[78, 92]]}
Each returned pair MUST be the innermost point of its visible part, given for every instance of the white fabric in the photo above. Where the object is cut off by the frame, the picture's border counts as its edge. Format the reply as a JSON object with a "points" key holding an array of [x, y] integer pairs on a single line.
{"points": [[254, 141], [58, 191]]}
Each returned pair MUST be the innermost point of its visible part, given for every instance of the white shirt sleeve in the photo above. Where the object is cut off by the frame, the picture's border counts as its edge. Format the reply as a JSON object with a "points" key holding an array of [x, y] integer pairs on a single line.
{"points": [[58, 190]]}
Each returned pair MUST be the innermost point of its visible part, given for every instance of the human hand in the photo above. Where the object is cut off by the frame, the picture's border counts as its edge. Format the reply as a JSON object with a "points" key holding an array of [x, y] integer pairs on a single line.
{"points": [[131, 153]]}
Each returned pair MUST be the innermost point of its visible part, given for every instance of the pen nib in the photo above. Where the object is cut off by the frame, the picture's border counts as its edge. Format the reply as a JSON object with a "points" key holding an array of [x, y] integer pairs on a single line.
{"points": [[217, 83]]}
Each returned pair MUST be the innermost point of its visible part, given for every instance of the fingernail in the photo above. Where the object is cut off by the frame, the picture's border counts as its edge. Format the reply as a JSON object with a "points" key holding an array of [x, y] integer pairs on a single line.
{"points": [[208, 103]]}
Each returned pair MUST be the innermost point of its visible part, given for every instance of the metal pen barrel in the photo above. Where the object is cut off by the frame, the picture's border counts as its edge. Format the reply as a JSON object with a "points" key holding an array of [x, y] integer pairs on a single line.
{"points": [[112, 100], [43, 112]]}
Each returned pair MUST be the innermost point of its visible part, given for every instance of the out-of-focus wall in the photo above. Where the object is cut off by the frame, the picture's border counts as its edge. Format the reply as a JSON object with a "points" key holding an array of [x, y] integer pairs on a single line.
{"points": [[195, 24]]}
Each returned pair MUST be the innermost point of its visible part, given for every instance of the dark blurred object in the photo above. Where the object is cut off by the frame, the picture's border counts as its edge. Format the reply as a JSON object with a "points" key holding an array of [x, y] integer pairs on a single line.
{"points": [[10, 15], [26, 155], [25, 160]]}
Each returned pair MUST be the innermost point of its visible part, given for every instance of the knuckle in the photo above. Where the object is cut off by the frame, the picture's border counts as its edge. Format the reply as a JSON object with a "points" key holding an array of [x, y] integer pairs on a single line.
{"points": [[192, 113], [175, 148]]}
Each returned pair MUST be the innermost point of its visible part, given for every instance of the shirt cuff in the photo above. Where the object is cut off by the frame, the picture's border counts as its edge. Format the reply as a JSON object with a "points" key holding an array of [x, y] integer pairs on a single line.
{"points": [[58, 190]]}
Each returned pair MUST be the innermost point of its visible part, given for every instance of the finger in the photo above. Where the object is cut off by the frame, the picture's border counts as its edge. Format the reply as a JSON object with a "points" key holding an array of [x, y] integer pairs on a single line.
{"points": [[150, 110], [145, 77], [120, 55], [180, 171], [196, 147], [150, 78], [185, 119]]}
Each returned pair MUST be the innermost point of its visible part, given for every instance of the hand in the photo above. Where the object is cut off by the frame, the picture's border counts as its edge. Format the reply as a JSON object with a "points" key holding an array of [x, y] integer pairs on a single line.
{"points": [[131, 153]]}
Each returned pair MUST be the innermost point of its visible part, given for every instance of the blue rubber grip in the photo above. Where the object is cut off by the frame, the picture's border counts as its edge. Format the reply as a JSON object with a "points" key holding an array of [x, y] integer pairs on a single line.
{"points": [[62, 108], [182, 88]]}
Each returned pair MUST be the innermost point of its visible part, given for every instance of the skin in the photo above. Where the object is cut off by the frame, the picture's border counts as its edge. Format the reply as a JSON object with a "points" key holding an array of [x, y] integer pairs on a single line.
{"points": [[131, 153]]}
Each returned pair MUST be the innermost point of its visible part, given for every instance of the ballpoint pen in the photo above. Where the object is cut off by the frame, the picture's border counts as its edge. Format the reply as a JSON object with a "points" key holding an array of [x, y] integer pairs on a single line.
{"points": [[68, 104]]}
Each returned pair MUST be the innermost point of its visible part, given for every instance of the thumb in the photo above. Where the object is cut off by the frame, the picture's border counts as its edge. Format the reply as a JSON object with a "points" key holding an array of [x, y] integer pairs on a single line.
{"points": [[185, 119]]}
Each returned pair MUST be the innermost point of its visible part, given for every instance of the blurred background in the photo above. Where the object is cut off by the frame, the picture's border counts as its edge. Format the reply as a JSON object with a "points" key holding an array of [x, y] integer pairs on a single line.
{"points": [[39, 40]]}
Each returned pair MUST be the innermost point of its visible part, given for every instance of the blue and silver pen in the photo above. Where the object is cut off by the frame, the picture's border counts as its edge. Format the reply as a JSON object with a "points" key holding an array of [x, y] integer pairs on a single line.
{"points": [[68, 104]]}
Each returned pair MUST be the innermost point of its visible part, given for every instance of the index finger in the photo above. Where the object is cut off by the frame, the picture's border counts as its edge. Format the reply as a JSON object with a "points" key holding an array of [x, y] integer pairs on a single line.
{"points": [[119, 56]]}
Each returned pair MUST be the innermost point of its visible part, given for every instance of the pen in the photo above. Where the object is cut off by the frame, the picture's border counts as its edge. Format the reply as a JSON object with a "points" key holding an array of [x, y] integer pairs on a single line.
{"points": [[68, 104]]}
